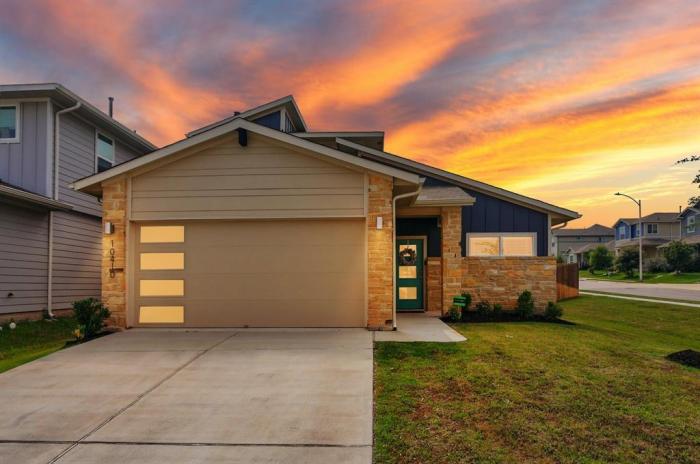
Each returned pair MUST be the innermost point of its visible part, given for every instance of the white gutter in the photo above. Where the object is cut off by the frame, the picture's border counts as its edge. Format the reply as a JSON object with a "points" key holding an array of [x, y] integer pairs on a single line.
{"points": [[56, 152], [393, 248]]}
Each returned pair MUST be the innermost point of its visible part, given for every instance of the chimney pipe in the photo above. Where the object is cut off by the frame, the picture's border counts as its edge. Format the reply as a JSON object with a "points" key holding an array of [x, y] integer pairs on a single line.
{"points": [[236, 113], [111, 106]]}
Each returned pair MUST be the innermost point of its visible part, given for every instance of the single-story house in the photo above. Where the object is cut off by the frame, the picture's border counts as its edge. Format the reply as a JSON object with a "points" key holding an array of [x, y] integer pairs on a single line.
{"points": [[579, 253], [256, 221]]}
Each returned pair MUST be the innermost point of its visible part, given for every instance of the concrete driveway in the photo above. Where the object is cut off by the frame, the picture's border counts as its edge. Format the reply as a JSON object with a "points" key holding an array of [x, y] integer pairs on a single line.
{"points": [[689, 292], [154, 396]]}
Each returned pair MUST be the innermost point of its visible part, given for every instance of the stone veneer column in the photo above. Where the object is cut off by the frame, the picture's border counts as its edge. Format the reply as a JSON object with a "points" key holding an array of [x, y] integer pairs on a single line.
{"points": [[380, 291], [451, 227], [114, 288]]}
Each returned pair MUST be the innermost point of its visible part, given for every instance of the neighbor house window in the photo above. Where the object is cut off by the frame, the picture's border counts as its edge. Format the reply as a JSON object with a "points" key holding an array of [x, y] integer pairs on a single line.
{"points": [[510, 244], [652, 229], [9, 123], [105, 152], [690, 227], [622, 232]]}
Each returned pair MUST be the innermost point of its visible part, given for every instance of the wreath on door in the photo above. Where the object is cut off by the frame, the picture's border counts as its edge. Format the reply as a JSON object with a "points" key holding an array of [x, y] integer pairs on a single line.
{"points": [[407, 257]]}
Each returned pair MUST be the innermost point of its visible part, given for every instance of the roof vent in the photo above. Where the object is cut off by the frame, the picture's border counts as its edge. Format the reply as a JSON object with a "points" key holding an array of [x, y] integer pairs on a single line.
{"points": [[111, 107], [236, 113]]}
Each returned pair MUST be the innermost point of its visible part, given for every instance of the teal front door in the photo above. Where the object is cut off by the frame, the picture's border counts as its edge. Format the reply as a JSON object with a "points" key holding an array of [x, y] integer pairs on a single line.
{"points": [[409, 274]]}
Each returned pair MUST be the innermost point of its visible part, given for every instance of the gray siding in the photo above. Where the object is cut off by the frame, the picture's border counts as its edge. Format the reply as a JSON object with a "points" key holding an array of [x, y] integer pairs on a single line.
{"points": [[76, 260], [25, 164], [23, 259], [122, 153], [76, 160]]}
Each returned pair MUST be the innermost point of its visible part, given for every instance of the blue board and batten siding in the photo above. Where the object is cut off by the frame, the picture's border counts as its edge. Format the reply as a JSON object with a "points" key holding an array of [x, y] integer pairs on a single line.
{"points": [[489, 214], [25, 164]]}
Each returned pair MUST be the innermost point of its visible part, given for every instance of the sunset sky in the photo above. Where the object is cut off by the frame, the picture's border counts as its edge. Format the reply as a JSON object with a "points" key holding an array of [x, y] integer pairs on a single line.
{"points": [[565, 101]]}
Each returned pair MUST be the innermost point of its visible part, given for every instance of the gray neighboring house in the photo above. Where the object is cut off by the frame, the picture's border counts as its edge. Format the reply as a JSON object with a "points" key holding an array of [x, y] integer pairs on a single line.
{"points": [[690, 224], [571, 244], [658, 229], [50, 235]]}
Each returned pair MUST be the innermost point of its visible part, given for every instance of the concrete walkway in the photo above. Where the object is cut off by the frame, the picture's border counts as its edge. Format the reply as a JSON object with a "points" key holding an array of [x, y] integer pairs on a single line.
{"points": [[688, 292], [419, 327], [160, 396]]}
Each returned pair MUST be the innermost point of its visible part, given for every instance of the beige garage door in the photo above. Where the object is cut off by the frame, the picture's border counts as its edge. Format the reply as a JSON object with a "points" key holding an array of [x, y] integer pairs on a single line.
{"points": [[249, 273]]}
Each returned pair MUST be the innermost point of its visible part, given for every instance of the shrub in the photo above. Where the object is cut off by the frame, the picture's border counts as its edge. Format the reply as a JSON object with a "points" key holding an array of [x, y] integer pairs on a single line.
{"points": [[599, 259], [497, 311], [655, 265], [467, 304], [483, 309], [525, 307], [454, 314], [679, 256], [553, 311], [90, 315], [628, 261]]}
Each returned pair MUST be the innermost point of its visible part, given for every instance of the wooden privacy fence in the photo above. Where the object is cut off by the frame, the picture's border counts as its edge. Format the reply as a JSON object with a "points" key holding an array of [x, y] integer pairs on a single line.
{"points": [[567, 281]]}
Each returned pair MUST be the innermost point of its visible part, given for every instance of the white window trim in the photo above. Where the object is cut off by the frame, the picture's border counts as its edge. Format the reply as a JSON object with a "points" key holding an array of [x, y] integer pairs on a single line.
{"points": [[622, 232], [652, 224], [500, 236], [690, 225], [114, 148], [18, 118]]}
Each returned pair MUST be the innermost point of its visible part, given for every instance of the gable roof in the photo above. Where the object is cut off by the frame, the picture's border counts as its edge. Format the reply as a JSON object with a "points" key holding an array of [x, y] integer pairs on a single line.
{"points": [[66, 98], [653, 217], [91, 184], [592, 231], [288, 103], [561, 214]]}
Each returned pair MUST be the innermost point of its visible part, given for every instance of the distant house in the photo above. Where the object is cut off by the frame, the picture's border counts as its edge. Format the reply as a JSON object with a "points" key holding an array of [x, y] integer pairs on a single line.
{"points": [[690, 225], [579, 253], [657, 230], [571, 243]]}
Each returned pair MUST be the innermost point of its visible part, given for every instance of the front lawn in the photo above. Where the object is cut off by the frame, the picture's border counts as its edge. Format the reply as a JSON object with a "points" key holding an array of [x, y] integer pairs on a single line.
{"points": [[597, 391], [32, 340], [649, 278]]}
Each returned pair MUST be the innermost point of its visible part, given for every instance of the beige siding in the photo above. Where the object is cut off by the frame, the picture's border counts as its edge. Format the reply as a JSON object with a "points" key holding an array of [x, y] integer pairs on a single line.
{"points": [[262, 180]]}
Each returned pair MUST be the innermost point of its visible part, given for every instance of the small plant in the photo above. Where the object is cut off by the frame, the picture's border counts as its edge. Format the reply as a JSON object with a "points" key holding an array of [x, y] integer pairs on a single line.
{"points": [[553, 311], [483, 309], [497, 311], [90, 315], [525, 307], [467, 300], [454, 314]]}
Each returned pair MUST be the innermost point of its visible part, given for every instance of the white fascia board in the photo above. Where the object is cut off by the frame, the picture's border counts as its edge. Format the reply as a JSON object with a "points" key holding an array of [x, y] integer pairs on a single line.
{"points": [[252, 127], [463, 181]]}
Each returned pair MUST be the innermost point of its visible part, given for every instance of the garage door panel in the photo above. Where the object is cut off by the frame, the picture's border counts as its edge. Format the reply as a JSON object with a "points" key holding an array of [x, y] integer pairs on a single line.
{"points": [[338, 286], [268, 260], [302, 273], [262, 312]]}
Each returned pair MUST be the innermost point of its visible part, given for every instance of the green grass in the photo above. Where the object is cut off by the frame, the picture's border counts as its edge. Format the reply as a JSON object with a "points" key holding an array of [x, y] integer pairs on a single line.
{"points": [[598, 391], [32, 340], [649, 278]]}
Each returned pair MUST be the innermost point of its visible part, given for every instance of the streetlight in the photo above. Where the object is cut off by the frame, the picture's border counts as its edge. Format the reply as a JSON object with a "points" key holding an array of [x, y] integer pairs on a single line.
{"points": [[639, 230]]}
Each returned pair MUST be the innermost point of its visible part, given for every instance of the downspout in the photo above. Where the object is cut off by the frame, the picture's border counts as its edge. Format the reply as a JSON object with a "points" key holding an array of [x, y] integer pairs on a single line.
{"points": [[56, 151], [393, 249]]}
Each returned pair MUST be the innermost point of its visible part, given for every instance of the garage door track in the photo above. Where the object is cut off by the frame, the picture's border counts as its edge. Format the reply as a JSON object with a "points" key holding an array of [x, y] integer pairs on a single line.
{"points": [[152, 396]]}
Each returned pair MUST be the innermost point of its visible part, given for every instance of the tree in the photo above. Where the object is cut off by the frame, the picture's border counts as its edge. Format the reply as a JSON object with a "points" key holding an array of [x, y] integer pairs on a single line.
{"points": [[599, 259], [679, 256], [696, 180], [628, 261]]}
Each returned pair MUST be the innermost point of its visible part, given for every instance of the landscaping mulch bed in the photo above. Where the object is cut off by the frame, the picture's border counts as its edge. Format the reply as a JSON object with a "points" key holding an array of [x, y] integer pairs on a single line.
{"points": [[686, 357], [505, 317]]}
